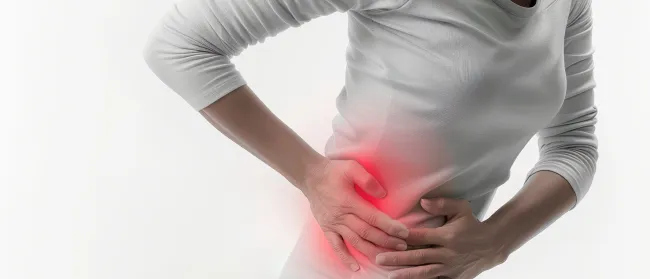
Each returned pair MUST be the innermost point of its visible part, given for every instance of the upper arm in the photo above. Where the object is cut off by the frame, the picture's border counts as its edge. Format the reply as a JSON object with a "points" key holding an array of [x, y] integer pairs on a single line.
{"points": [[190, 48], [568, 145], [578, 109], [578, 49], [229, 26]]}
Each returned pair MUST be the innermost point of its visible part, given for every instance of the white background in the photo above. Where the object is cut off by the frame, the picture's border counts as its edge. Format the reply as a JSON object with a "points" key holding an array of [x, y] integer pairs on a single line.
{"points": [[106, 173]]}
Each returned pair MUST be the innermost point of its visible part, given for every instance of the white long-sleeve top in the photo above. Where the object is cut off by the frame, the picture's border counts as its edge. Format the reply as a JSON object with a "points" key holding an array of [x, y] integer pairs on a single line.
{"points": [[440, 96]]}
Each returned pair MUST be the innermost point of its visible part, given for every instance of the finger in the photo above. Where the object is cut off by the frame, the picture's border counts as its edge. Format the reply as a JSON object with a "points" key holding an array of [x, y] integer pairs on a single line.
{"points": [[341, 251], [363, 246], [428, 236], [371, 215], [419, 272], [359, 176], [446, 207], [373, 234], [414, 257]]}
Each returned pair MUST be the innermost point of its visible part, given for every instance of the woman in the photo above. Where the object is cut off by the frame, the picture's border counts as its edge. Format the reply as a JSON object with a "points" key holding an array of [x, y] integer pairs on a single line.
{"points": [[440, 97]]}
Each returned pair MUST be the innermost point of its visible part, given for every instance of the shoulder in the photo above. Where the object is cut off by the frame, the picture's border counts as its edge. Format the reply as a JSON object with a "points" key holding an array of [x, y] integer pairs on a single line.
{"points": [[579, 9], [579, 4]]}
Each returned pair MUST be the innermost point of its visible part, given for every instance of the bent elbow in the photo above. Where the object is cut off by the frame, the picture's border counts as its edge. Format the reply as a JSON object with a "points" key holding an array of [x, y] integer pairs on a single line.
{"points": [[154, 49]]}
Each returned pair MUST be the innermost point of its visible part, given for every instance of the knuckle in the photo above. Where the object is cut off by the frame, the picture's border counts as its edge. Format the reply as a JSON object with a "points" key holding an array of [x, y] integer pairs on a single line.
{"points": [[450, 236], [372, 219], [345, 205], [337, 249], [347, 219], [426, 272], [386, 242], [418, 255], [430, 236], [341, 229], [331, 219], [393, 259], [366, 232], [329, 216], [353, 239], [419, 234], [341, 254]]}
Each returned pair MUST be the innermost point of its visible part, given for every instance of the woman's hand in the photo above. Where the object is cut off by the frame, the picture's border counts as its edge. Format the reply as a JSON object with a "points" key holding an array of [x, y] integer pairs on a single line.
{"points": [[463, 247], [343, 214], [329, 185]]}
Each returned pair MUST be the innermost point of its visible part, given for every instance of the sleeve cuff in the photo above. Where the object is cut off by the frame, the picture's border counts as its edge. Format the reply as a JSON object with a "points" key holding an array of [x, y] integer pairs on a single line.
{"points": [[578, 175], [217, 92]]}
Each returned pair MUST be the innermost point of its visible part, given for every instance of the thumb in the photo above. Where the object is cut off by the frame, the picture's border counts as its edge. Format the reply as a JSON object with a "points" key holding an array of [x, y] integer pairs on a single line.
{"points": [[446, 207], [365, 181]]}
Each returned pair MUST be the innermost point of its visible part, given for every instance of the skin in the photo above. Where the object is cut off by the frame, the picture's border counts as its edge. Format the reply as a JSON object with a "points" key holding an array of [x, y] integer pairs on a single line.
{"points": [[328, 184], [464, 247]]}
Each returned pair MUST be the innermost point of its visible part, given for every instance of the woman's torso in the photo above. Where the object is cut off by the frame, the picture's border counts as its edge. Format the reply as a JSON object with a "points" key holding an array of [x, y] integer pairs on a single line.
{"points": [[441, 96]]}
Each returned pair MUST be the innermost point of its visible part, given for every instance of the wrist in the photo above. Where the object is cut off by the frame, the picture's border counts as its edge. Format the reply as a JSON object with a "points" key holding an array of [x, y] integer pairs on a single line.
{"points": [[313, 167], [500, 242]]}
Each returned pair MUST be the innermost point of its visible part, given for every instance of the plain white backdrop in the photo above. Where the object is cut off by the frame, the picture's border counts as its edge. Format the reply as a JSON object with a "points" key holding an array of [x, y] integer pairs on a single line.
{"points": [[105, 173]]}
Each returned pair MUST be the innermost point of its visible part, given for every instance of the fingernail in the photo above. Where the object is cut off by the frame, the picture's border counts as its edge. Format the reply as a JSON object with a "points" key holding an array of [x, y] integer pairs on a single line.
{"points": [[380, 259], [401, 247], [381, 193], [354, 267], [403, 233]]}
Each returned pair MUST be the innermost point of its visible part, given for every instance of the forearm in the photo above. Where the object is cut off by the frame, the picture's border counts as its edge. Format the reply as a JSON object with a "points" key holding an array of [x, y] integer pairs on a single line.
{"points": [[243, 118], [545, 197], [190, 51]]}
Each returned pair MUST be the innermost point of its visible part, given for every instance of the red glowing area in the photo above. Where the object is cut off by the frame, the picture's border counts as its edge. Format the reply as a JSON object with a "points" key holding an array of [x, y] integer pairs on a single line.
{"points": [[409, 162]]}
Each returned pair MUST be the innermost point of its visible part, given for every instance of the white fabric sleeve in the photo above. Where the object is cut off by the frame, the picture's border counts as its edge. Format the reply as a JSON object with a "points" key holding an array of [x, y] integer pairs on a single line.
{"points": [[190, 48], [568, 145]]}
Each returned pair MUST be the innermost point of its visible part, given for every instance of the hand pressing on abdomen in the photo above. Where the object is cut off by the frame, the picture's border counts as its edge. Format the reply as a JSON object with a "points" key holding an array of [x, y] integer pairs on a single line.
{"points": [[344, 215], [329, 185]]}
